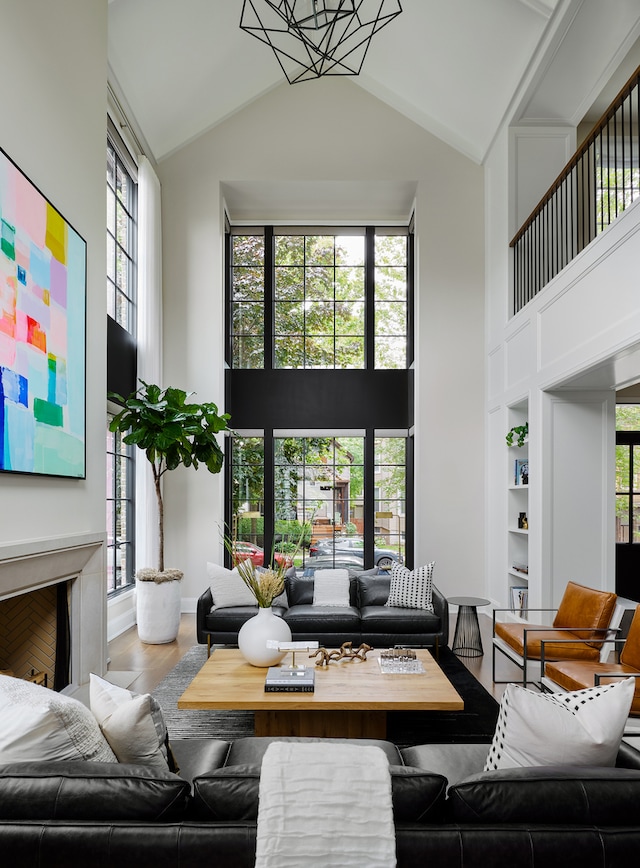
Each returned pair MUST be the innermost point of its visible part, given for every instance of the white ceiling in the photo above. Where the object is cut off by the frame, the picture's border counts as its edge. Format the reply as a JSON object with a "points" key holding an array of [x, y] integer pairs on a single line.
{"points": [[458, 68]]}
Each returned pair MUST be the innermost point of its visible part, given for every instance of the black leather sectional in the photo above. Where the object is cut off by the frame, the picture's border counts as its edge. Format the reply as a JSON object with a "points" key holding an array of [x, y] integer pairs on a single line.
{"points": [[366, 619], [446, 811]]}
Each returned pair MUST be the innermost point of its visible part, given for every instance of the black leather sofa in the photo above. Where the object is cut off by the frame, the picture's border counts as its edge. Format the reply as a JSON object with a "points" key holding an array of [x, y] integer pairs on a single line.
{"points": [[446, 812], [366, 619]]}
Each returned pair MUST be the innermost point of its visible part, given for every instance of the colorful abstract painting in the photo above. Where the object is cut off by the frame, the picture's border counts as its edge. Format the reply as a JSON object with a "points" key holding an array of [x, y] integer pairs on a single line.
{"points": [[42, 333]]}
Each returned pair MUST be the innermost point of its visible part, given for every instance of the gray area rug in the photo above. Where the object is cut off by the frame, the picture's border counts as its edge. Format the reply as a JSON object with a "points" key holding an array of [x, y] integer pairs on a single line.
{"points": [[187, 723], [475, 724]]}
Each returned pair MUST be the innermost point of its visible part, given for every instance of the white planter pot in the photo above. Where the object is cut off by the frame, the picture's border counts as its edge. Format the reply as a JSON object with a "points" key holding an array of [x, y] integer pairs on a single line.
{"points": [[158, 611], [253, 635]]}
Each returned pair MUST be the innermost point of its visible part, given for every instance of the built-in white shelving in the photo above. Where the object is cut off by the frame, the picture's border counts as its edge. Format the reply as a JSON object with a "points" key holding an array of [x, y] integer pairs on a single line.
{"points": [[517, 513]]}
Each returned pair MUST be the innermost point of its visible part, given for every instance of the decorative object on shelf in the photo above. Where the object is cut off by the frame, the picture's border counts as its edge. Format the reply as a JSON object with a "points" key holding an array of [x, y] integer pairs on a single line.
{"points": [[525, 522], [172, 433], [311, 38], [519, 599], [522, 518], [255, 633], [521, 475], [324, 657], [519, 433]]}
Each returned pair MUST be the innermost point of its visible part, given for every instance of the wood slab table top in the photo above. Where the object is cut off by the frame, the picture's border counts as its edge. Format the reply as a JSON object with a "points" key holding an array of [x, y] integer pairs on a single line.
{"points": [[227, 681]]}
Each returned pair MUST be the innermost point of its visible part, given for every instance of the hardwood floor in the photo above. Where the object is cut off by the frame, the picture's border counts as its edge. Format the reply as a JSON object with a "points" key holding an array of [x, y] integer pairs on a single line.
{"points": [[150, 663]]}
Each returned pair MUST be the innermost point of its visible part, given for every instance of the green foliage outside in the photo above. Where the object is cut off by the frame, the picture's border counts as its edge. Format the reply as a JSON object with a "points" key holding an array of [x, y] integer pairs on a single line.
{"points": [[319, 301], [627, 419]]}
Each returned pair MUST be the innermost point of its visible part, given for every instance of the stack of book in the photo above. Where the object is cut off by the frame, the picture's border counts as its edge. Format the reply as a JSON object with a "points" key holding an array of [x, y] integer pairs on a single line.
{"points": [[284, 679]]}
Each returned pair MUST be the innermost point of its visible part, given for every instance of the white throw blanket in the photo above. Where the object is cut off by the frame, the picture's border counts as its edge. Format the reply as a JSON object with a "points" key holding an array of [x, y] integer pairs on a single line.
{"points": [[325, 805]]}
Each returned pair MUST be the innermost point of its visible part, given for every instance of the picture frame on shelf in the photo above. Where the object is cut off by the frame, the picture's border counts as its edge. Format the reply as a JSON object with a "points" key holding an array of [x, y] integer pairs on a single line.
{"points": [[519, 598], [521, 471]]}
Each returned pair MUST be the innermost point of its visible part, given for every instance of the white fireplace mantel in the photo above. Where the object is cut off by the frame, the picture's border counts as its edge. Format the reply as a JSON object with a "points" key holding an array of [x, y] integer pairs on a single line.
{"points": [[27, 566]]}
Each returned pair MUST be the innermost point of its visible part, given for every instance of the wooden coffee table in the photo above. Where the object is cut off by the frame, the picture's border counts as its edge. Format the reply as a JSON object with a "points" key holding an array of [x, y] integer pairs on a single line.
{"points": [[351, 698]]}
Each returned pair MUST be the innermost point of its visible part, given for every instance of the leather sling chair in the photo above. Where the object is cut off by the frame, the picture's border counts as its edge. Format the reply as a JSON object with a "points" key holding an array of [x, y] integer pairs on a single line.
{"points": [[581, 625], [579, 674]]}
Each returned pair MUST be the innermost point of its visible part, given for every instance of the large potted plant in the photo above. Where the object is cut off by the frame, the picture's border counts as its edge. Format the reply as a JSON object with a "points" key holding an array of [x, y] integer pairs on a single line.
{"points": [[171, 432]]}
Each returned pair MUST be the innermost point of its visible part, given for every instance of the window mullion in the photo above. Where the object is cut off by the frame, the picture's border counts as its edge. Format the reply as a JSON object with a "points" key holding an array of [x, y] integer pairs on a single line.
{"points": [[369, 296], [269, 495], [369, 495], [269, 296]]}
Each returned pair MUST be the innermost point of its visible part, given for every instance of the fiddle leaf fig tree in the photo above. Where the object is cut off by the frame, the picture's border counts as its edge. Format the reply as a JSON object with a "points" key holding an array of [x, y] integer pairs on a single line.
{"points": [[172, 432]]}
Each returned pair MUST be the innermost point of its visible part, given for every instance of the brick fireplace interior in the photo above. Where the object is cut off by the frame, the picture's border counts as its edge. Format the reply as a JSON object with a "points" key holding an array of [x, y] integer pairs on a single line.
{"points": [[35, 635]]}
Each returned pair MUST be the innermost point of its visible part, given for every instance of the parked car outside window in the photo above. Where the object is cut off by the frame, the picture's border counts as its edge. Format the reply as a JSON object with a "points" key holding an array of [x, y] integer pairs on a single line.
{"points": [[245, 550], [354, 545]]}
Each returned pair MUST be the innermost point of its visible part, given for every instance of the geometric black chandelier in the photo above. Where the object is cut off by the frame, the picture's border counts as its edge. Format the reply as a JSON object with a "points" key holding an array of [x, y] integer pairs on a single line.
{"points": [[311, 38]]}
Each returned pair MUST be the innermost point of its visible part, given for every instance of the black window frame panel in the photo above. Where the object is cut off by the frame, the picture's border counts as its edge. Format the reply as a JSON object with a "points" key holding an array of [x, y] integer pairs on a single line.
{"points": [[124, 162], [117, 496], [262, 401], [122, 352], [632, 440]]}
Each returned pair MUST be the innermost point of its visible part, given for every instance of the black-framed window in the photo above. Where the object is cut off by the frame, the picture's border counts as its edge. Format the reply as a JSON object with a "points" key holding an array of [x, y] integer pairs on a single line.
{"points": [[120, 511], [319, 299], [122, 255], [344, 495], [320, 352], [121, 240]]}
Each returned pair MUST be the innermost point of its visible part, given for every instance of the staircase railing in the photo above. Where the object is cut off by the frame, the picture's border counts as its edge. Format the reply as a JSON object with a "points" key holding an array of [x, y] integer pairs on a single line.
{"points": [[598, 183]]}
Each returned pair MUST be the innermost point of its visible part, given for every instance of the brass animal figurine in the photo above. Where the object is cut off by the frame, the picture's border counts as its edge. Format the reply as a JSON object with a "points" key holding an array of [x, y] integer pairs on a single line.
{"points": [[324, 657]]}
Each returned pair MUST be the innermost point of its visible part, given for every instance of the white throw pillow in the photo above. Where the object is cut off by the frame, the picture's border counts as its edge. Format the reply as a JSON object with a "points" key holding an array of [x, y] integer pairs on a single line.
{"points": [[411, 589], [39, 724], [132, 723], [227, 588], [583, 727], [331, 588]]}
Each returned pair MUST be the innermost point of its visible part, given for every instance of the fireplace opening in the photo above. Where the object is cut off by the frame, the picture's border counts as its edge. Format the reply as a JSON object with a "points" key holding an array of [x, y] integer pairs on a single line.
{"points": [[35, 637]]}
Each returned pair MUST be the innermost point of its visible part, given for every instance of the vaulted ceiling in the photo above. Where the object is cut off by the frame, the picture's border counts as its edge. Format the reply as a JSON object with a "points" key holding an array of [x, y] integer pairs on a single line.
{"points": [[458, 68]]}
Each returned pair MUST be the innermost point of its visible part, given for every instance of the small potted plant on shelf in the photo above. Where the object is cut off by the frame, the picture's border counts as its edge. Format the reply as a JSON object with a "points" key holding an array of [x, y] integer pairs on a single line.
{"points": [[519, 434], [171, 432]]}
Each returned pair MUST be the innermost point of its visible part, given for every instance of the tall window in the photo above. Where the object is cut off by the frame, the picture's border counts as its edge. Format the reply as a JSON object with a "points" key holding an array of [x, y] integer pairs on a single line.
{"points": [[320, 299], [628, 473], [121, 241], [120, 512], [319, 485], [319, 384], [121, 308]]}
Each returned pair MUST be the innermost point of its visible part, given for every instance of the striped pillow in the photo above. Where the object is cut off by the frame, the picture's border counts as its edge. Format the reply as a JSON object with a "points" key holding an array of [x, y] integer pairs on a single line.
{"points": [[411, 589]]}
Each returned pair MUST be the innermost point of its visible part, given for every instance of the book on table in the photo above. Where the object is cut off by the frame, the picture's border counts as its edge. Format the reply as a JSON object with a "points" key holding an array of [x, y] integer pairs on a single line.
{"points": [[282, 679]]}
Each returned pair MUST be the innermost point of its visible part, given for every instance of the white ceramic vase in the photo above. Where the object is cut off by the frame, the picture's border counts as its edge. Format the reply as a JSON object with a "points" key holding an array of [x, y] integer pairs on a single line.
{"points": [[253, 635], [158, 611]]}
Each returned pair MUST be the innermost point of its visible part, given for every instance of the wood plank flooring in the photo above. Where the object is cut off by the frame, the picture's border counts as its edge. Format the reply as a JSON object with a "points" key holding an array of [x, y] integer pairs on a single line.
{"points": [[150, 663]]}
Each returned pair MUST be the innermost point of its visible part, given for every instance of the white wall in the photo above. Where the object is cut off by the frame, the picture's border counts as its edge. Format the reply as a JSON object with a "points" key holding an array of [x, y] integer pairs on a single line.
{"points": [[565, 353], [53, 125], [330, 130]]}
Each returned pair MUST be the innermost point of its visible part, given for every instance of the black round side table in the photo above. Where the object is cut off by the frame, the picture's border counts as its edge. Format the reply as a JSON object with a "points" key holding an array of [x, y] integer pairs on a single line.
{"points": [[467, 641]]}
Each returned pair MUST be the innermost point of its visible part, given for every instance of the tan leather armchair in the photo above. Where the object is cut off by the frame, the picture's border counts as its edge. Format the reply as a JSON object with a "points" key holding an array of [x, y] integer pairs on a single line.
{"points": [[579, 629], [579, 674]]}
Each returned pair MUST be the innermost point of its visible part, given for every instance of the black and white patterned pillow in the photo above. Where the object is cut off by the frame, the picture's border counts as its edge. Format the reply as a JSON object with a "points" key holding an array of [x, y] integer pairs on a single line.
{"points": [[411, 589], [582, 727]]}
